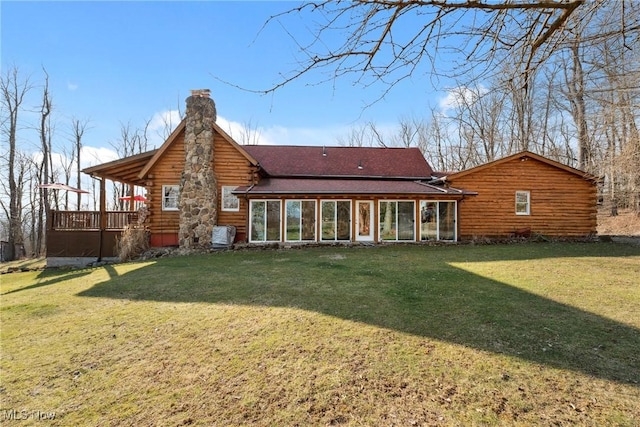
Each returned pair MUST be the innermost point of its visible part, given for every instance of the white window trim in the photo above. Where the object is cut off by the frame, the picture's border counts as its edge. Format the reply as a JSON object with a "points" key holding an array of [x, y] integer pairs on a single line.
{"points": [[335, 219], [528, 203], [228, 189], [286, 220], [165, 198], [380, 239], [251, 202], [437, 215]]}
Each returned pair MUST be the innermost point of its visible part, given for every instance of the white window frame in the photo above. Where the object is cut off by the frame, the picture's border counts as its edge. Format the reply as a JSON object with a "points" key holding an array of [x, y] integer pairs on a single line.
{"points": [[396, 201], [335, 220], [166, 198], [286, 220], [438, 219], [527, 203], [266, 213], [228, 196]]}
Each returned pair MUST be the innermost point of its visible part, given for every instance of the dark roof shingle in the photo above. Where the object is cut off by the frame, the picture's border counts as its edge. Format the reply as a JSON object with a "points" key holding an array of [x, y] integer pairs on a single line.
{"points": [[297, 186], [310, 161]]}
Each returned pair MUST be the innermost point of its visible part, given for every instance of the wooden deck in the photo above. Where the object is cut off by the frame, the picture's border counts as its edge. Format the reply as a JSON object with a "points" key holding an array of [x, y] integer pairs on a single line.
{"points": [[85, 234], [90, 220]]}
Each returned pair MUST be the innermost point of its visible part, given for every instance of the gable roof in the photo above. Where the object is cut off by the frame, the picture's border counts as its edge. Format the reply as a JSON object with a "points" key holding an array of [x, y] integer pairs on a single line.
{"points": [[522, 155], [355, 162], [179, 129]]}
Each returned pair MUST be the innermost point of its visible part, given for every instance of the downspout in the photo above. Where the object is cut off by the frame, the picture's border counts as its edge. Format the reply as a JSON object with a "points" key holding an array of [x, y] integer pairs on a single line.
{"points": [[248, 220]]}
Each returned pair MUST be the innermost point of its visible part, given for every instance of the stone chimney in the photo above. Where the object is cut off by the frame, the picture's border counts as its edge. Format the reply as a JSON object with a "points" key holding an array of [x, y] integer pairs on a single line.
{"points": [[198, 188]]}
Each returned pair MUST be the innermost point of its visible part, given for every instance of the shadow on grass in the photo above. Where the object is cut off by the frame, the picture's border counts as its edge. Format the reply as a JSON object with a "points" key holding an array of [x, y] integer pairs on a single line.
{"points": [[414, 290], [50, 277]]}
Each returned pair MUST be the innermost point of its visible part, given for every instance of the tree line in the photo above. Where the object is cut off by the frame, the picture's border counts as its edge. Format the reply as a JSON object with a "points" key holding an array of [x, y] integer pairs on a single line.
{"points": [[559, 78], [39, 148]]}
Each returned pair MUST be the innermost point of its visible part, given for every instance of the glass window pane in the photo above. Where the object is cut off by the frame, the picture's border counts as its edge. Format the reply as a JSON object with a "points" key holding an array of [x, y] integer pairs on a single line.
{"points": [[257, 221], [446, 218], [308, 220], [388, 220], [344, 220], [328, 220], [293, 220], [364, 219], [406, 220], [428, 220], [229, 201], [522, 202], [273, 220]]}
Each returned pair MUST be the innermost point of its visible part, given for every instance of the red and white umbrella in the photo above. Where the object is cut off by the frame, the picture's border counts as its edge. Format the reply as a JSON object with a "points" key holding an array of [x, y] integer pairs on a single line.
{"points": [[58, 186], [136, 198]]}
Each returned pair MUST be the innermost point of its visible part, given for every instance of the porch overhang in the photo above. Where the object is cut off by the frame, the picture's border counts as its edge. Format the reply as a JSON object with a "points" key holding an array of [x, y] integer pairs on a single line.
{"points": [[310, 186], [124, 170]]}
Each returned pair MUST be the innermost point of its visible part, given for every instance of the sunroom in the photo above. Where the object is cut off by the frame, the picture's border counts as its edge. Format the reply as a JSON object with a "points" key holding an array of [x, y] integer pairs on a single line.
{"points": [[349, 210]]}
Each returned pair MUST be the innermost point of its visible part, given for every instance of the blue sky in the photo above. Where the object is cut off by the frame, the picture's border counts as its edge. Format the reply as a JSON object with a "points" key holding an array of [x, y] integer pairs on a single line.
{"points": [[119, 62]]}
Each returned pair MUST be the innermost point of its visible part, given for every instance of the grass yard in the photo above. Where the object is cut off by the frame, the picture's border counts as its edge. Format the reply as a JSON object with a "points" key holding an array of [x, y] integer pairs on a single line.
{"points": [[525, 334]]}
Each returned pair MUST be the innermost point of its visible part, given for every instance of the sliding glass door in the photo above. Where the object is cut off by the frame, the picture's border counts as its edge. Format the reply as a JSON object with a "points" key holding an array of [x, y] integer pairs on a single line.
{"points": [[438, 220], [336, 219]]}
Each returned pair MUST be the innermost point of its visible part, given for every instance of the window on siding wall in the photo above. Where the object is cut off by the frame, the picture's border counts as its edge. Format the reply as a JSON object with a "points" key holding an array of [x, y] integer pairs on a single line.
{"points": [[265, 221], [523, 199], [170, 195], [229, 201]]}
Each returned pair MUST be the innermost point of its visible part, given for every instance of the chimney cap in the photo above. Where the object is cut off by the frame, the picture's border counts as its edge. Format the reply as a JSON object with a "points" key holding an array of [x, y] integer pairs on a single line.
{"points": [[202, 93]]}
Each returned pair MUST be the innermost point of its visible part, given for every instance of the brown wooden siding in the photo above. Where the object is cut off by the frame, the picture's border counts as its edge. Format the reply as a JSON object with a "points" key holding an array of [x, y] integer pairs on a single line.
{"points": [[84, 243], [167, 171], [561, 203], [232, 169]]}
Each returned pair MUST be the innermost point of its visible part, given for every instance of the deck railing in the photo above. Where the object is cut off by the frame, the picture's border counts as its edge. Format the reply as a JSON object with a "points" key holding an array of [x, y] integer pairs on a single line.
{"points": [[90, 220]]}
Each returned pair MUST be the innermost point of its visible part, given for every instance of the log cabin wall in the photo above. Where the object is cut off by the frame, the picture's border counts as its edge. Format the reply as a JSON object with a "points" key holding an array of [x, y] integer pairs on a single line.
{"points": [[561, 203], [164, 224], [232, 169]]}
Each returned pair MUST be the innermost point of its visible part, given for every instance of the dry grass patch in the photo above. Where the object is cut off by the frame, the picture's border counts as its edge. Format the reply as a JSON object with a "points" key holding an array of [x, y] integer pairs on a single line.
{"points": [[405, 335]]}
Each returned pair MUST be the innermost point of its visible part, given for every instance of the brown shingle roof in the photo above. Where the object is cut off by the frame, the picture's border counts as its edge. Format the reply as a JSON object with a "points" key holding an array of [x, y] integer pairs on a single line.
{"points": [[294, 186], [310, 161]]}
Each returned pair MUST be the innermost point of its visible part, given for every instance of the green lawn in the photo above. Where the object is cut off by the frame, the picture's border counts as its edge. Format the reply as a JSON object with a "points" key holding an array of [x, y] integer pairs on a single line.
{"points": [[525, 334]]}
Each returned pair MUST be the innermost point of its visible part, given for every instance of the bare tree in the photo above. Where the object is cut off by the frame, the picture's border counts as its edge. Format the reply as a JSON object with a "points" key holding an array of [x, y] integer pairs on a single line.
{"points": [[132, 141], [388, 40], [78, 128], [361, 135], [249, 133], [45, 169], [13, 90]]}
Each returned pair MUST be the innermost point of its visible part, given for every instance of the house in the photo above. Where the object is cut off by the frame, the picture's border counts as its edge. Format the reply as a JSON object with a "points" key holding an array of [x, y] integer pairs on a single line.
{"points": [[525, 193], [201, 178]]}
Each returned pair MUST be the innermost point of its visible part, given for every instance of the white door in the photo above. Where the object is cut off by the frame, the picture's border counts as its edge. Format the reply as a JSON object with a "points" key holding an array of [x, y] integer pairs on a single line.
{"points": [[364, 221]]}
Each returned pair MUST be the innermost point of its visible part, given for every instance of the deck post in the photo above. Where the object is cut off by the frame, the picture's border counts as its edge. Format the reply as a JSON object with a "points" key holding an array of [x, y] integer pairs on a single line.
{"points": [[103, 214]]}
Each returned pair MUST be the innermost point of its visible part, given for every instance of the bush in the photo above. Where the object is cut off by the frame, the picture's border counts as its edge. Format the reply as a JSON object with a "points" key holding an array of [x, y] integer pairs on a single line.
{"points": [[133, 243]]}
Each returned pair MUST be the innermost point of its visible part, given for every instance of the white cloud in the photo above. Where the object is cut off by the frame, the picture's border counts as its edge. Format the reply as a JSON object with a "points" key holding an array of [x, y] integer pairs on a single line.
{"points": [[72, 86], [161, 126], [280, 135], [91, 156], [461, 95]]}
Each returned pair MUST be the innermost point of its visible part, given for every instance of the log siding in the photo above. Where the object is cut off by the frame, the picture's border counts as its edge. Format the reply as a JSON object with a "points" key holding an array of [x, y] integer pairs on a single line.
{"points": [[562, 203]]}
